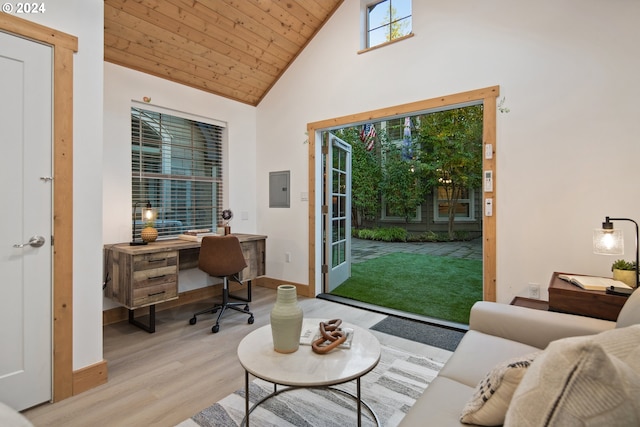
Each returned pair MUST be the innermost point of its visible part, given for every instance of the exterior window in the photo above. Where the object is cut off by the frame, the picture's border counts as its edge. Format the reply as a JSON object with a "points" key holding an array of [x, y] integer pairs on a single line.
{"points": [[463, 208], [388, 20], [391, 214], [176, 165]]}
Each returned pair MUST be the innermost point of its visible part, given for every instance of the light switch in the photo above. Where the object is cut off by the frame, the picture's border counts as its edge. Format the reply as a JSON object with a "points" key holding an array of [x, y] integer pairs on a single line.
{"points": [[488, 181], [488, 207], [488, 151]]}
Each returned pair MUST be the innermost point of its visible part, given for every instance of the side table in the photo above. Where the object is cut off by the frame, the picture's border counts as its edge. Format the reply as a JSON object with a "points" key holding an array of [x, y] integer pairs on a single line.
{"points": [[566, 297], [304, 368], [536, 304]]}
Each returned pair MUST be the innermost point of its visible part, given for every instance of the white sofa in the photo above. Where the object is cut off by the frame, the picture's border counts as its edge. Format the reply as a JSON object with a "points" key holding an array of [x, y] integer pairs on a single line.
{"points": [[498, 332], [12, 418]]}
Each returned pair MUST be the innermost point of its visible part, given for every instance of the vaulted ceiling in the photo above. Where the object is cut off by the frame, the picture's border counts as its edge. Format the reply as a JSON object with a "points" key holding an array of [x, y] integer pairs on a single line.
{"points": [[233, 48]]}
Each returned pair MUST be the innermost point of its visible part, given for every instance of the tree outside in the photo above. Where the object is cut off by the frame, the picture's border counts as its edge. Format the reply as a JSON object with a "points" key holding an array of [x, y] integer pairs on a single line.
{"points": [[450, 150], [439, 152]]}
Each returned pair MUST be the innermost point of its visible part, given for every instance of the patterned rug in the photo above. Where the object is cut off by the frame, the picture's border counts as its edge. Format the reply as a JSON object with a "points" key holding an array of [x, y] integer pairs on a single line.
{"points": [[390, 390]]}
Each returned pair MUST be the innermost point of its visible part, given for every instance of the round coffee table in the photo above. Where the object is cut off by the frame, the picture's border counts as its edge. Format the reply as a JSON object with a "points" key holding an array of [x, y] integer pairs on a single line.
{"points": [[305, 368]]}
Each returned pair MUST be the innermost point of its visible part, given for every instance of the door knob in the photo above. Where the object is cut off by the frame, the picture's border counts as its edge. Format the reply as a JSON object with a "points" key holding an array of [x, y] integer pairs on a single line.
{"points": [[35, 241]]}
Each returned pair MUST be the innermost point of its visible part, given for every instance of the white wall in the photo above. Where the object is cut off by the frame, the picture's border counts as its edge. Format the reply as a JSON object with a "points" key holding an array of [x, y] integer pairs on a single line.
{"points": [[84, 19], [566, 151], [121, 86]]}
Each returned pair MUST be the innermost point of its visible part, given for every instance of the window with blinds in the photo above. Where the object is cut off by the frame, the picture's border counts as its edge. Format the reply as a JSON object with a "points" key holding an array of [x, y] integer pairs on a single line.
{"points": [[176, 165]]}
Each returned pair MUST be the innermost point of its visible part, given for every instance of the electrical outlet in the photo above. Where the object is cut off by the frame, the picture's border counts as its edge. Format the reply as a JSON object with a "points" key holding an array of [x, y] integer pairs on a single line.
{"points": [[534, 291]]}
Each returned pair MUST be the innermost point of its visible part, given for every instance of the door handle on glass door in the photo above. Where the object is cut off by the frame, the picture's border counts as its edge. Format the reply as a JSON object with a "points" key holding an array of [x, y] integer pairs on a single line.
{"points": [[35, 241]]}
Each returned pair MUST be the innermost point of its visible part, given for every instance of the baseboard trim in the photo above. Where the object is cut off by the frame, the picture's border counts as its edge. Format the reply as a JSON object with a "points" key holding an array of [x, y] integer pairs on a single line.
{"points": [[271, 283], [89, 377]]}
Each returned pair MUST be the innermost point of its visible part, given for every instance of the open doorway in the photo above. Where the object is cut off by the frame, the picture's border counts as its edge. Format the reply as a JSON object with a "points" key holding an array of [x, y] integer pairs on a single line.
{"points": [[487, 97]]}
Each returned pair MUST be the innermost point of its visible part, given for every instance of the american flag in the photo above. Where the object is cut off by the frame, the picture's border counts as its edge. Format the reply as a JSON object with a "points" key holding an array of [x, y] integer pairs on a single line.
{"points": [[407, 152], [368, 136]]}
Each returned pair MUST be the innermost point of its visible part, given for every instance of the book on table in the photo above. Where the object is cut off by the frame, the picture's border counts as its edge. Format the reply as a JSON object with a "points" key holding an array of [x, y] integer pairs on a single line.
{"points": [[196, 235], [593, 283]]}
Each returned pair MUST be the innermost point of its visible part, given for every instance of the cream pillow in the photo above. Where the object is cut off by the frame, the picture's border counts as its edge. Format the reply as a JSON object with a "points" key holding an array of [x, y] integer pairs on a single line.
{"points": [[582, 381], [490, 401]]}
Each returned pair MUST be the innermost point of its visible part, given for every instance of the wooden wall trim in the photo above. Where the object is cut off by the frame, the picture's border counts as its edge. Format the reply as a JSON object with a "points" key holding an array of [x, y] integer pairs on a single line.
{"points": [[64, 46], [488, 97], [89, 377]]}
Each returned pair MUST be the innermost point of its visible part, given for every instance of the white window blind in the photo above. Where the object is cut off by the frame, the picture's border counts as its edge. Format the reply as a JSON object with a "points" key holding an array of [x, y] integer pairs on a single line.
{"points": [[176, 165]]}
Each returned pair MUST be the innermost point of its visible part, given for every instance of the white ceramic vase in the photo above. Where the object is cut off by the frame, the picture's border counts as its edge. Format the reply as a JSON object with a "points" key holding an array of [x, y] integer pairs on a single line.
{"points": [[286, 320]]}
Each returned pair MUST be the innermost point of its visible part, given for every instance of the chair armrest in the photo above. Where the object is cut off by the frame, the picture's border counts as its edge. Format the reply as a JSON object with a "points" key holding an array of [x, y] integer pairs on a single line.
{"points": [[532, 327]]}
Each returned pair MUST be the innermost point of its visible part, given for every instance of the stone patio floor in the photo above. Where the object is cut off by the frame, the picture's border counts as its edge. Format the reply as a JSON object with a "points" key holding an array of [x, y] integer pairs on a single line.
{"points": [[363, 250]]}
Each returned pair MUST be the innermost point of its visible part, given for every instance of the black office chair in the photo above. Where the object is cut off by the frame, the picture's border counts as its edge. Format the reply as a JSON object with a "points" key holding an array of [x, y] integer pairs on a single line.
{"points": [[221, 256]]}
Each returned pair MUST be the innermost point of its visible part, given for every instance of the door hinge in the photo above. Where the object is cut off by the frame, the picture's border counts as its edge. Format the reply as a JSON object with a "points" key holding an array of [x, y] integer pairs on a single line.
{"points": [[325, 268], [325, 149], [325, 209], [51, 240]]}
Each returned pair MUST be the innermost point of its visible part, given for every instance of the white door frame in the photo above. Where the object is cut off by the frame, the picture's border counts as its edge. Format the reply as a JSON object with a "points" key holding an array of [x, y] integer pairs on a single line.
{"points": [[64, 47]]}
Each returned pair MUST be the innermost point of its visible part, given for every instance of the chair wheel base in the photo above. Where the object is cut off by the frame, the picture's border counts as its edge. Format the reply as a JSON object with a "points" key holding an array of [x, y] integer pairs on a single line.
{"points": [[250, 320], [215, 329], [193, 321]]}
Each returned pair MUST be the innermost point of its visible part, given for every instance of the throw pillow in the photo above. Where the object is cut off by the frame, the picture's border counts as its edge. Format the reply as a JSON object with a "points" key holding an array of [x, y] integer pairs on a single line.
{"points": [[582, 381], [490, 401]]}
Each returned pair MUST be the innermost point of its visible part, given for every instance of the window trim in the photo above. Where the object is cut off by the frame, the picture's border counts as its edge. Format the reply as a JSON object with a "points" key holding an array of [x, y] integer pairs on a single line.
{"points": [[190, 179], [364, 27], [417, 218], [472, 208]]}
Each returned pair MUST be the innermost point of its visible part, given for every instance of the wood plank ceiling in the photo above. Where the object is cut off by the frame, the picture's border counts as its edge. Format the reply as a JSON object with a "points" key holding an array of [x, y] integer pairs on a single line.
{"points": [[233, 48]]}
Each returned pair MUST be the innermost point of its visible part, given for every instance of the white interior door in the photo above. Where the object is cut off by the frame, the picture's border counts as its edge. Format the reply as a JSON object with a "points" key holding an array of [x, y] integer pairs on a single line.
{"points": [[338, 208], [25, 268]]}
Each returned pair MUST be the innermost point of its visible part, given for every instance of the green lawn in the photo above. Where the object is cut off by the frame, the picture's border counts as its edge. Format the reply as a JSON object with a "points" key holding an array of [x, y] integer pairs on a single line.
{"points": [[433, 286]]}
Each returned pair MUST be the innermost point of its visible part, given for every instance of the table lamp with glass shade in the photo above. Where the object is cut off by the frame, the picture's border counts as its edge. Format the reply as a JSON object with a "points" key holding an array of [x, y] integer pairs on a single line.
{"points": [[147, 215], [610, 241]]}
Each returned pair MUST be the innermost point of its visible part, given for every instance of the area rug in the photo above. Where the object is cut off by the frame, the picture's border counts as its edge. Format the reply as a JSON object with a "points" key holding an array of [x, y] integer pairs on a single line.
{"points": [[424, 333], [390, 390]]}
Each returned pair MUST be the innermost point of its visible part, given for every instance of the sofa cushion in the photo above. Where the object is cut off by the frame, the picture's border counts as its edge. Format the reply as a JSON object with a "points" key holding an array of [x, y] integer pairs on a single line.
{"points": [[11, 418], [477, 354], [630, 313], [439, 405], [582, 381], [490, 401]]}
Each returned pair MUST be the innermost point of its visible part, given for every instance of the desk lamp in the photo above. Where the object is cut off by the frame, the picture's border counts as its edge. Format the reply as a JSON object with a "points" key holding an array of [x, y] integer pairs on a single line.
{"points": [[147, 214], [609, 241]]}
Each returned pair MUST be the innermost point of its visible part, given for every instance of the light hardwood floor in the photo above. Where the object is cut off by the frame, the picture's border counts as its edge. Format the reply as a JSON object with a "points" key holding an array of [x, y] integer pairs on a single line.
{"points": [[164, 378]]}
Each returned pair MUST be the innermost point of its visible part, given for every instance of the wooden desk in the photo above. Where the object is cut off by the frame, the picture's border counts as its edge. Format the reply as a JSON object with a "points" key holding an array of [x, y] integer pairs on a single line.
{"points": [[141, 276], [566, 297]]}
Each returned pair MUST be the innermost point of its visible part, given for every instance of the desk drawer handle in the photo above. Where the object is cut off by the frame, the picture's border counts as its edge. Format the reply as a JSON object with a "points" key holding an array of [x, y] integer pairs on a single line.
{"points": [[158, 260], [157, 277], [156, 293]]}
